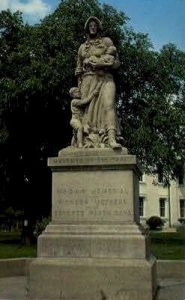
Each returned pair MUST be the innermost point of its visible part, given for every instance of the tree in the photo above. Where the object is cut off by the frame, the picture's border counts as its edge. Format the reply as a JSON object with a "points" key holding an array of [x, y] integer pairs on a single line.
{"points": [[152, 106], [37, 70]]}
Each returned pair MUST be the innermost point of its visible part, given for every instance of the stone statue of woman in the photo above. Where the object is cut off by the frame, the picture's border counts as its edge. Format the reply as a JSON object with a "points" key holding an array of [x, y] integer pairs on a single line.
{"points": [[97, 57]]}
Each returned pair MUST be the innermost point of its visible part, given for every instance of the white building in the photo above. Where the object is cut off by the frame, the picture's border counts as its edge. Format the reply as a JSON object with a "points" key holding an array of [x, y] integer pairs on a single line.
{"points": [[157, 200]]}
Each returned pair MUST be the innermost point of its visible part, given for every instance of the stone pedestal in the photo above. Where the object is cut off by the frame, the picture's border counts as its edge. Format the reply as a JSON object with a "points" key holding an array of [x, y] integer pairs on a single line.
{"points": [[93, 248]]}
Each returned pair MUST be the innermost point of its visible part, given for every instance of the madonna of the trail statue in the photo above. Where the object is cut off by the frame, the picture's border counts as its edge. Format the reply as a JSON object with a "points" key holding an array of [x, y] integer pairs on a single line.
{"points": [[94, 119], [93, 248]]}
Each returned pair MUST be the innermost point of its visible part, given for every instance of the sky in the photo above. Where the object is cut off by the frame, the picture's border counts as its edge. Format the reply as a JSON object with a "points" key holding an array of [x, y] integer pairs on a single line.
{"points": [[163, 20]]}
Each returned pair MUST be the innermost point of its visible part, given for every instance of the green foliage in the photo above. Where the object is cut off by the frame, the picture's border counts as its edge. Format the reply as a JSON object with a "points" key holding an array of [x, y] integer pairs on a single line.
{"points": [[10, 218], [41, 225], [181, 229], [182, 221], [155, 222], [37, 66], [152, 107]]}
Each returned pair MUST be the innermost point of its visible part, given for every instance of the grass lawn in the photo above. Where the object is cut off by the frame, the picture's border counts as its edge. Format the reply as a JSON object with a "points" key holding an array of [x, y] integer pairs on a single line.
{"points": [[10, 246], [168, 245]]}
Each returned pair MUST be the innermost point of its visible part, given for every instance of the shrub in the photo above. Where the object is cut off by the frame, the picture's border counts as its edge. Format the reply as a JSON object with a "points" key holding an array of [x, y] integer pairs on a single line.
{"points": [[181, 229], [182, 221], [155, 222], [41, 225]]}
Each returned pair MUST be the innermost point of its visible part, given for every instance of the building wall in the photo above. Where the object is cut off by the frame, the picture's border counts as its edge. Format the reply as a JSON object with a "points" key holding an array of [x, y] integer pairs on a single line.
{"points": [[151, 191]]}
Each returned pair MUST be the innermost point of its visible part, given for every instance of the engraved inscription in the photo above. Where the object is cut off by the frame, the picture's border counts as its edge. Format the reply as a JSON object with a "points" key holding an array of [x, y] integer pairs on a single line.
{"points": [[99, 203], [93, 196], [125, 295], [91, 160]]}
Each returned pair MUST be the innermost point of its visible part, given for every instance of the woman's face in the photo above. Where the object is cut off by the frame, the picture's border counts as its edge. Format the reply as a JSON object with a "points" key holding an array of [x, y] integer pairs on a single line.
{"points": [[93, 28]]}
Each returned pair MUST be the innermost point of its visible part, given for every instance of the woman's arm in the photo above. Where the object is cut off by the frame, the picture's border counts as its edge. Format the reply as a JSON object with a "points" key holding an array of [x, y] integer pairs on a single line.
{"points": [[79, 66]]}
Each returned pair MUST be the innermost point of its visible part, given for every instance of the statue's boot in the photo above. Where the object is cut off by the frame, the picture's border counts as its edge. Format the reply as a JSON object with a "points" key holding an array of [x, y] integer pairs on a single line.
{"points": [[112, 139]]}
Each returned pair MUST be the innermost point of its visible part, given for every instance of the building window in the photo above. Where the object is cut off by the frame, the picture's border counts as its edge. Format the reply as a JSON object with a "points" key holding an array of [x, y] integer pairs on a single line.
{"points": [[162, 206], [141, 206], [182, 208]]}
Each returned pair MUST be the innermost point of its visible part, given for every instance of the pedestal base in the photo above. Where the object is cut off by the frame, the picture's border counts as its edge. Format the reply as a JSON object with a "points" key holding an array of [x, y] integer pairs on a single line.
{"points": [[106, 241], [93, 249], [92, 279]]}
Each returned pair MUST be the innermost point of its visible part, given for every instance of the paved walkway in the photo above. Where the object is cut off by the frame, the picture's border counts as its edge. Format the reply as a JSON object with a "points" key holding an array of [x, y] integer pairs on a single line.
{"points": [[14, 288], [170, 289]]}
